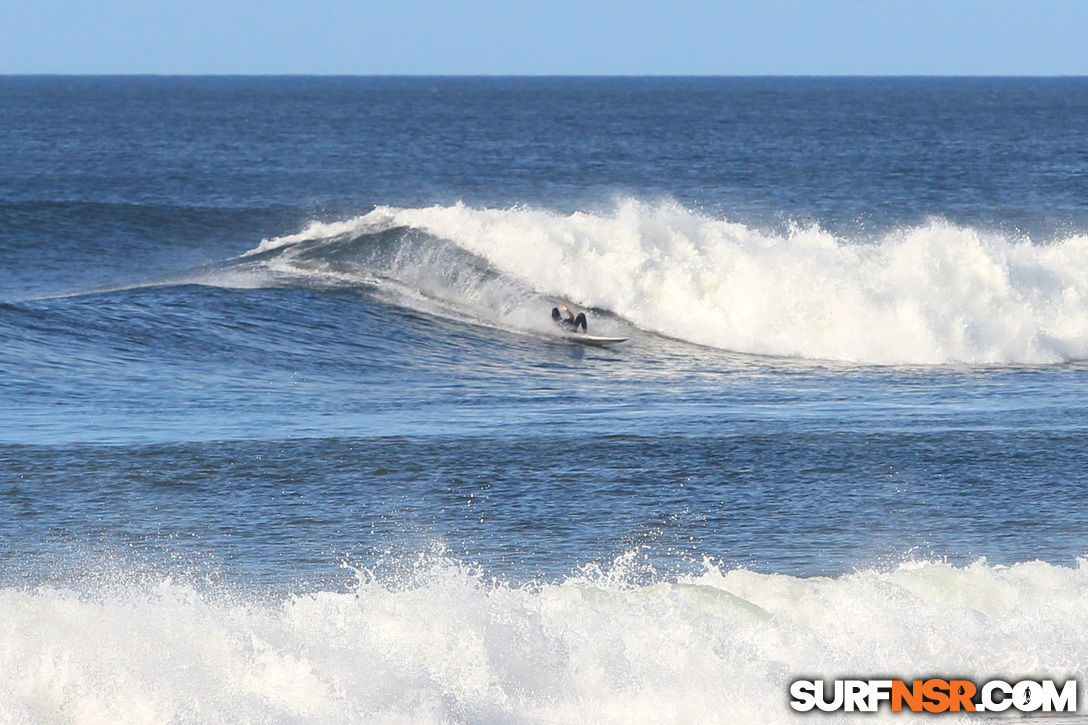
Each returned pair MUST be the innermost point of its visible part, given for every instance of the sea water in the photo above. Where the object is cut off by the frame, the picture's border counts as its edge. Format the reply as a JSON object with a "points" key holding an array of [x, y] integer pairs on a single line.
{"points": [[287, 434]]}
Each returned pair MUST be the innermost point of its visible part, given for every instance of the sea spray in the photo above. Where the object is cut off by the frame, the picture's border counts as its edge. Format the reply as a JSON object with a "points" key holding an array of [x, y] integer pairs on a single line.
{"points": [[447, 644]]}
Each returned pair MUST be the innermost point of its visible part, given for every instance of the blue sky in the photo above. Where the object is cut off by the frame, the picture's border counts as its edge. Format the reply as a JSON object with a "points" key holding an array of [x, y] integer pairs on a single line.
{"points": [[564, 37]]}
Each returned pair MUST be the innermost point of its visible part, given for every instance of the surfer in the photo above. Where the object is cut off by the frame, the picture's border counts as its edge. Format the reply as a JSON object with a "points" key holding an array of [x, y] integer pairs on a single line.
{"points": [[570, 321]]}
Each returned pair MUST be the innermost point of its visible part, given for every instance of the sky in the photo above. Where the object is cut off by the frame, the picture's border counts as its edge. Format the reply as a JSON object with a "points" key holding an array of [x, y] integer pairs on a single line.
{"points": [[545, 37]]}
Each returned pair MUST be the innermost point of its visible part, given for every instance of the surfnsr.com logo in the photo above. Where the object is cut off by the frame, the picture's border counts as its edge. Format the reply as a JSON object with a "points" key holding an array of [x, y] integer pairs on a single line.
{"points": [[934, 695]]}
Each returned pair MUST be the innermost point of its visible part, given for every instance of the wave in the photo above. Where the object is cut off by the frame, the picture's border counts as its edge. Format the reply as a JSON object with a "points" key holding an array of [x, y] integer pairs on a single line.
{"points": [[932, 294], [439, 642]]}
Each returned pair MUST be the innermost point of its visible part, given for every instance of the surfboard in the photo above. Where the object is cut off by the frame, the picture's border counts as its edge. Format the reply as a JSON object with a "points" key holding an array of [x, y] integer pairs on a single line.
{"points": [[595, 340]]}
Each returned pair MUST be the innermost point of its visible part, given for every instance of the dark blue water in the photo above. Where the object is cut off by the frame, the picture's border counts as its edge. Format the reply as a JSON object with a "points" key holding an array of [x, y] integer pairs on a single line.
{"points": [[259, 335]]}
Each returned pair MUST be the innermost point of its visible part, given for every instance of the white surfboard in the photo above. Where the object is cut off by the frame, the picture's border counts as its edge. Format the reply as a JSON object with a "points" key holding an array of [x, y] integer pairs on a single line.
{"points": [[595, 340]]}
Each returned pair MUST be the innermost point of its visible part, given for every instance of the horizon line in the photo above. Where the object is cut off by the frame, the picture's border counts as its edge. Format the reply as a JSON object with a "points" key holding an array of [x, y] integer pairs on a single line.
{"points": [[534, 75]]}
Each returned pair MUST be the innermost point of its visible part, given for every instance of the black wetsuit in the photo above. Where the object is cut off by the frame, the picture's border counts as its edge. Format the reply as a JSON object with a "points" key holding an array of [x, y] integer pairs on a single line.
{"points": [[573, 324]]}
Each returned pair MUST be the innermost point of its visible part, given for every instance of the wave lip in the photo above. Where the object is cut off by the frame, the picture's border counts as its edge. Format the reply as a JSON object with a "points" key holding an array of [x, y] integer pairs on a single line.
{"points": [[933, 294]]}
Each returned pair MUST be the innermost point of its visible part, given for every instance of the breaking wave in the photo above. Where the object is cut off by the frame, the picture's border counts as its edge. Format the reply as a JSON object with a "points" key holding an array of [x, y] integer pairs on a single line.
{"points": [[932, 294], [442, 643]]}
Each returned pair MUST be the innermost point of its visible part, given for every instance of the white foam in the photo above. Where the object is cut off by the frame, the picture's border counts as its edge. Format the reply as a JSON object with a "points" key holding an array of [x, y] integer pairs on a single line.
{"points": [[933, 294], [447, 645]]}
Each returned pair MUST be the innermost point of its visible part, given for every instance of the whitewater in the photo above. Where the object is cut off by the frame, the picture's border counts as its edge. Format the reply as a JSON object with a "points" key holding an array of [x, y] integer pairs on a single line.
{"points": [[441, 642], [934, 294]]}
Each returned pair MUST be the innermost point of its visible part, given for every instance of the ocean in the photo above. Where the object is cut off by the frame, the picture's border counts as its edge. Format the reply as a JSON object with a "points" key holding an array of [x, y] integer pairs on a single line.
{"points": [[287, 434]]}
